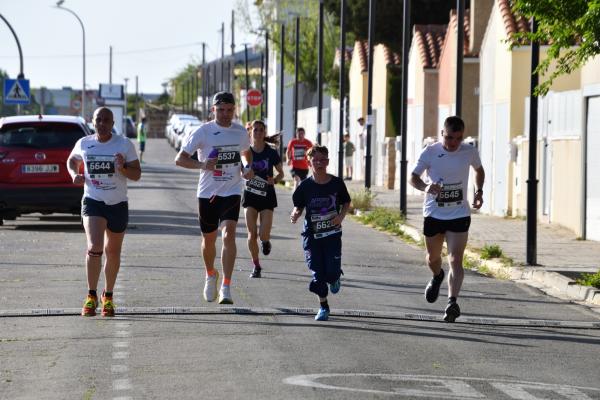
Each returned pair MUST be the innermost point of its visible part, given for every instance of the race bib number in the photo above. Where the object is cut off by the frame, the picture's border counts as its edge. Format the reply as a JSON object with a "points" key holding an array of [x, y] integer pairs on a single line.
{"points": [[228, 162], [450, 196], [257, 185], [100, 166], [299, 153], [322, 224]]}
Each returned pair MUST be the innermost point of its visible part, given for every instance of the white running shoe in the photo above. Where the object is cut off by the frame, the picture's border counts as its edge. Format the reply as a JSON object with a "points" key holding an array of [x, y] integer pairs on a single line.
{"points": [[210, 287], [225, 295]]}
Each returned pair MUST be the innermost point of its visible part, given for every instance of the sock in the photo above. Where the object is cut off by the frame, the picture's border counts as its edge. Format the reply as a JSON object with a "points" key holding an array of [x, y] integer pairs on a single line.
{"points": [[211, 272], [325, 305], [107, 294], [93, 293], [439, 276], [451, 300], [226, 281], [256, 263]]}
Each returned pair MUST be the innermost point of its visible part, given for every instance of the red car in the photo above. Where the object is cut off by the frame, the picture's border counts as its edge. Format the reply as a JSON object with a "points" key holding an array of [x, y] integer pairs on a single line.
{"points": [[33, 165]]}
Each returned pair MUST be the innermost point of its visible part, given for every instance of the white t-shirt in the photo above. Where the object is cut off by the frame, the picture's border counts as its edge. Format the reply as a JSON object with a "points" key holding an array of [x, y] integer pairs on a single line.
{"points": [[451, 168], [225, 144], [102, 181]]}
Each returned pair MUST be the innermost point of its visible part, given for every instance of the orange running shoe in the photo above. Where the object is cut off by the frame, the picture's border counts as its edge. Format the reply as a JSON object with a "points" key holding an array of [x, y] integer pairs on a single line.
{"points": [[108, 307], [89, 306]]}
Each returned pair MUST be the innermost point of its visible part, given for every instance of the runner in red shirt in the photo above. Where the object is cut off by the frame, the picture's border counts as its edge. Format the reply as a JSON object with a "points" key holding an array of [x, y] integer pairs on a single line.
{"points": [[296, 156]]}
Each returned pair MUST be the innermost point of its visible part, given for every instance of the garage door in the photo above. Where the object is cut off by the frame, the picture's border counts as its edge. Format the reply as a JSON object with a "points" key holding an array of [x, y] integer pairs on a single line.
{"points": [[592, 220]]}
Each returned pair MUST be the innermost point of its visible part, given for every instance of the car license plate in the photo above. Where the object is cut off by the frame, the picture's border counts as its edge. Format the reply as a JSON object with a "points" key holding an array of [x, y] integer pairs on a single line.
{"points": [[40, 169]]}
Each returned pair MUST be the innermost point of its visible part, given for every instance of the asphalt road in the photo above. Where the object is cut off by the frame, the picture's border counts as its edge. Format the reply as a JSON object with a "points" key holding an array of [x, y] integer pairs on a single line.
{"points": [[512, 341]]}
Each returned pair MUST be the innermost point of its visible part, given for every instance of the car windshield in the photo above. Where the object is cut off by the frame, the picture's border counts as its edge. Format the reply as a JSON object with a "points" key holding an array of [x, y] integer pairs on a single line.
{"points": [[40, 135]]}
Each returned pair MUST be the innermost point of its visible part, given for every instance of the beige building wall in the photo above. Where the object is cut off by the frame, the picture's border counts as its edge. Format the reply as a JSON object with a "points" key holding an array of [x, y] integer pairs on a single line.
{"points": [[470, 96], [590, 73], [567, 184], [358, 84], [430, 103]]}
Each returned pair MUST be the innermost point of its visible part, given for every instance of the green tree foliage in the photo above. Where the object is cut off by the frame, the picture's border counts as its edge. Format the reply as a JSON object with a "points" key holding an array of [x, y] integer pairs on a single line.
{"points": [[571, 28], [309, 36]]}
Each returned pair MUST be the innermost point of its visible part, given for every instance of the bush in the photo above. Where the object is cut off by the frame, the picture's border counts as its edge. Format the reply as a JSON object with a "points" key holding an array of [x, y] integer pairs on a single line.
{"points": [[491, 251], [590, 280], [362, 199]]}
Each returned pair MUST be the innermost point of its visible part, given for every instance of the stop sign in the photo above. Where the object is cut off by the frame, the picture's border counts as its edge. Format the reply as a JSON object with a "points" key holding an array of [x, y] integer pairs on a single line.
{"points": [[254, 97]]}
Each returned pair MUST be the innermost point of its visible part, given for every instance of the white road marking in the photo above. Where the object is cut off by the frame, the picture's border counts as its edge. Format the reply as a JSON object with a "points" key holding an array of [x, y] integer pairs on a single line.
{"points": [[119, 369], [121, 345], [444, 387], [120, 355], [121, 384]]}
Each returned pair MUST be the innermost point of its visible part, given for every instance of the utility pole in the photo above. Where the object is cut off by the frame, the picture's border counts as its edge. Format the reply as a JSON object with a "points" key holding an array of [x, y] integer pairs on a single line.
{"points": [[137, 107], [342, 84], [532, 181], [281, 88], [222, 56], [460, 37], [320, 76], [403, 125], [266, 93], [372, 5], [110, 66], [247, 81], [296, 66]]}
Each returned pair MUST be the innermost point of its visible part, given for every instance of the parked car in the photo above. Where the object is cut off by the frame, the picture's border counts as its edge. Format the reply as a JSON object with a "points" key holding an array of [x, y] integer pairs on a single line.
{"points": [[188, 129], [130, 130], [33, 165], [176, 126]]}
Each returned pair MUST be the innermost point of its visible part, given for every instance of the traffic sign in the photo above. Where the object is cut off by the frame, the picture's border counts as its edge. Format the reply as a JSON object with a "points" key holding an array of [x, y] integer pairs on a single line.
{"points": [[16, 91], [254, 97]]}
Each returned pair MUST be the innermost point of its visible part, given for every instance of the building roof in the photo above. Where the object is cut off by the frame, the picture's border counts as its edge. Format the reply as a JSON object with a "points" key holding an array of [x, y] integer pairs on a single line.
{"points": [[336, 60], [429, 40], [362, 49], [466, 29], [512, 23]]}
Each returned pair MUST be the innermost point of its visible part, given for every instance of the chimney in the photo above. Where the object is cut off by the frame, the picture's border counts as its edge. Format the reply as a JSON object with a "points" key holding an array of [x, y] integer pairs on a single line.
{"points": [[480, 15]]}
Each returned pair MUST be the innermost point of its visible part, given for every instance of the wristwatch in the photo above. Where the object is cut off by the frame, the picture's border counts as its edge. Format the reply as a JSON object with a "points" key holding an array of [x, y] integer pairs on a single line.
{"points": [[479, 191]]}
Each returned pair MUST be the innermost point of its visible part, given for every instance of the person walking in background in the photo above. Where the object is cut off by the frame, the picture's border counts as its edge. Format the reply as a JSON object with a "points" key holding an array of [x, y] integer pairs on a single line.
{"points": [[348, 156], [446, 209], [109, 160], [142, 133], [259, 195], [326, 200], [221, 145], [296, 156]]}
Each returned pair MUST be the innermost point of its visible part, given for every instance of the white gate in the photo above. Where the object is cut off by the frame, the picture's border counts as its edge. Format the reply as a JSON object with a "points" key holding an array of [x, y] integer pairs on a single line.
{"points": [[592, 180]]}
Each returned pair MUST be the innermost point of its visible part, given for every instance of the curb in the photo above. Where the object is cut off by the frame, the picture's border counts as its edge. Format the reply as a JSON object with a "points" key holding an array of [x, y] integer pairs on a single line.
{"points": [[567, 287]]}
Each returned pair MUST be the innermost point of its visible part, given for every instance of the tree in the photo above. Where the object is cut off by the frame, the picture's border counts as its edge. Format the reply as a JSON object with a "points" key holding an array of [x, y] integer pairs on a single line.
{"points": [[571, 30]]}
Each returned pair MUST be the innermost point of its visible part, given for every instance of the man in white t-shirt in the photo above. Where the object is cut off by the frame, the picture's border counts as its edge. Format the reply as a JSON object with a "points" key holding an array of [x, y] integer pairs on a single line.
{"points": [[109, 160], [446, 209], [221, 144]]}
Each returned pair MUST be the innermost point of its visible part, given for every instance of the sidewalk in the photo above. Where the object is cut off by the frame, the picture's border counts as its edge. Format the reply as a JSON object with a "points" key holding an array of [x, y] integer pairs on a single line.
{"points": [[560, 255]]}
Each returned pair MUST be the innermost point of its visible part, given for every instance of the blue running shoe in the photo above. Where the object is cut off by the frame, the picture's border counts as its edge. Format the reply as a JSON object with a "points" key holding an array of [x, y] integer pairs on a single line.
{"points": [[322, 315], [335, 286]]}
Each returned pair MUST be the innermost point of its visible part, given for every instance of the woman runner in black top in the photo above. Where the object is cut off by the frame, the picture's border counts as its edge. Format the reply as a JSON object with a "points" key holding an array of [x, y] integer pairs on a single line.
{"points": [[259, 194]]}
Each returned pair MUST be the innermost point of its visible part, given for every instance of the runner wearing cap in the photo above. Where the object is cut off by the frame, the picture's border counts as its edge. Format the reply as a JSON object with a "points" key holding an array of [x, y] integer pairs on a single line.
{"points": [[259, 196], [221, 145]]}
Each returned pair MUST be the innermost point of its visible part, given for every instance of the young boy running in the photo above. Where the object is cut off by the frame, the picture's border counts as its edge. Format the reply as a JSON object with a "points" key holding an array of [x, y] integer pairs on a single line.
{"points": [[326, 200]]}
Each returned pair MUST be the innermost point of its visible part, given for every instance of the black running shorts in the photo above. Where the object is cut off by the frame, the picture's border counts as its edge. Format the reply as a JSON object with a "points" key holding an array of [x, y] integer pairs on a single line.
{"points": [[116, 215], [212, 212], [433, 226], [300, 173], [260, 203]]}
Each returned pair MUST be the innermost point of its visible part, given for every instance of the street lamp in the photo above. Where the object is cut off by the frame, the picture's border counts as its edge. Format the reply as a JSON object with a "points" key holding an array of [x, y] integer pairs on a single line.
{"points": [[60, 7]]}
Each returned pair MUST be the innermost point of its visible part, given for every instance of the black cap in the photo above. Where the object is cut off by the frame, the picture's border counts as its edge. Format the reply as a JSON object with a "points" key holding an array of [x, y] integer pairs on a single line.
{"points": [[223, 98]]}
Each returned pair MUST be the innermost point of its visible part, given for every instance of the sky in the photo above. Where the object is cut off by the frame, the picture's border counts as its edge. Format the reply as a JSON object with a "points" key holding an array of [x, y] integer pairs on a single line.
{"points": [[150, 39]]}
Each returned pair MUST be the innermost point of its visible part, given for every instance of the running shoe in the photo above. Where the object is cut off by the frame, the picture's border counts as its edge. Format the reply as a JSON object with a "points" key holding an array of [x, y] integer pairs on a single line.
{"points": [[255, 272], [432, 291], [210, 287], [108, 307], [266, 247], [89, 306], [322, 315], [225, 295], [452, 312], [335, 286]]}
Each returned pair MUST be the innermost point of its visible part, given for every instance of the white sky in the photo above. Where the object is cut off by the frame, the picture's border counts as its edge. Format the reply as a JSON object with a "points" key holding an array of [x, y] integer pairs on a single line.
{"points": [[51, 39]]}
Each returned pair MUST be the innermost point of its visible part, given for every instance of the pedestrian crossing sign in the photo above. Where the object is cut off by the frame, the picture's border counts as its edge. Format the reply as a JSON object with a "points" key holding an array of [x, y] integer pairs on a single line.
{"points": [[16, 91]]}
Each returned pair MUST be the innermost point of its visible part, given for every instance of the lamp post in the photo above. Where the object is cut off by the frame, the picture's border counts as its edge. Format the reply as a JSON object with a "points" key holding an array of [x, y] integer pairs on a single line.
{"points": [[60, 7]]}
